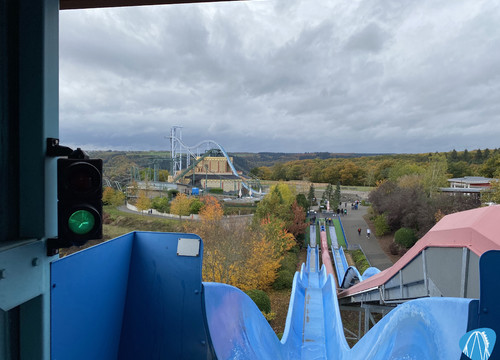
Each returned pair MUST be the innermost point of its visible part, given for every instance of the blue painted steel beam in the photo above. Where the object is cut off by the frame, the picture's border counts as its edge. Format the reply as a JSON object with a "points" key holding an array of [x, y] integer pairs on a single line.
{"points": [[29, 106]]}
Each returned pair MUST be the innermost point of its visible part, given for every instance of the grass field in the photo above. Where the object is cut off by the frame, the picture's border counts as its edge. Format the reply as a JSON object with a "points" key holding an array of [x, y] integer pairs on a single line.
{"points": [[338, 232]]}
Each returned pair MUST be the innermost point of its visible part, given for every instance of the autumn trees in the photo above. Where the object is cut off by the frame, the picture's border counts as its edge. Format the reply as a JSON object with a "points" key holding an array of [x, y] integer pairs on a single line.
{"points": [[113, 197], [406, 203], [249, 254], [368, 170], [239, 253]]}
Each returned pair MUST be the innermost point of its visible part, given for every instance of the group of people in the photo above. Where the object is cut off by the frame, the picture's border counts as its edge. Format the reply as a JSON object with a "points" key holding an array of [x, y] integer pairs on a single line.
{"points": [[368, 232], [341, 211]]}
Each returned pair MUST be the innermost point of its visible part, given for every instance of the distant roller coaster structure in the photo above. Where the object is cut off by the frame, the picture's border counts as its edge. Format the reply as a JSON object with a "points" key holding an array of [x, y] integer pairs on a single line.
{"points": [[178, 150]]}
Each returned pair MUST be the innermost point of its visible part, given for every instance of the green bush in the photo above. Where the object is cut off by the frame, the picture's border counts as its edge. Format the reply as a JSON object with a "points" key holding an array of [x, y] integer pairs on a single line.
{"points": [[405, 237], [195, 206], [215, 191], [284, 280], [295, 249], [381, 226], [161, 204], [360, 261], [261, 299]]}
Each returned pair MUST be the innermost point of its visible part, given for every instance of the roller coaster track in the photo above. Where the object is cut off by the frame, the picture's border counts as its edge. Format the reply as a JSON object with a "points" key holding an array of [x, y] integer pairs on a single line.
{"points": [[210, 145]]}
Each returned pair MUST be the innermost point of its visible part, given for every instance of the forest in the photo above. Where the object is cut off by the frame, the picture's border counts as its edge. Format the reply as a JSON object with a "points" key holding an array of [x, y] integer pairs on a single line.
{"points": [[348, 169], [369, 170]]}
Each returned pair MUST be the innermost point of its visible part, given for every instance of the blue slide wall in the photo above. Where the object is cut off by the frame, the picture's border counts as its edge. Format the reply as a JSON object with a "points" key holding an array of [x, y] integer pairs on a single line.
{"points": [[135, 297]]}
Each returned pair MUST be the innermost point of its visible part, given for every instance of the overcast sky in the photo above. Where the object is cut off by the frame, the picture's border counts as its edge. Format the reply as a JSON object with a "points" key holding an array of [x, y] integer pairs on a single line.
{"points": [[284, 76]]}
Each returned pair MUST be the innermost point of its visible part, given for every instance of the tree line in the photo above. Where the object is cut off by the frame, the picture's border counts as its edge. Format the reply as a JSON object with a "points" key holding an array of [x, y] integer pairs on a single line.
{"points": [[369, 170], [409, 203]]}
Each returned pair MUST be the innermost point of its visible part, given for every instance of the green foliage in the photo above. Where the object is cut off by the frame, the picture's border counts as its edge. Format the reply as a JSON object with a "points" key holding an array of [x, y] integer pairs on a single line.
{"points": [[195, 206], [381, 226], [161, 204], [359, 260], [163, 175], [289, 262], [276, 203], [261, 299], [404, 168], [279, 172], [405, 237], [491, 168], [269, 316], [143, 201], [284, 280], [458, 169], [349, 169], [493, 194], [302, 201], [330, 195], [215, 191], [435, 175], [311, 195], [336, 196], [181, 205]]}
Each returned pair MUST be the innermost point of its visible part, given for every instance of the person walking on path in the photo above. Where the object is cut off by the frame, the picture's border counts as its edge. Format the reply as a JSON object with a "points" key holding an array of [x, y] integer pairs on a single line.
{"points": [[367, 232], [359, 231]]}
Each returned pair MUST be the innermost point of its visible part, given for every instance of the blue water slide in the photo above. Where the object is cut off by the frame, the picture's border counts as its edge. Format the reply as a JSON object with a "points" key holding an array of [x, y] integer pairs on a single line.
{"points": [[340, 263], [370, 272], [312, 235], [140, 296], [420, 329], [342, 257]]}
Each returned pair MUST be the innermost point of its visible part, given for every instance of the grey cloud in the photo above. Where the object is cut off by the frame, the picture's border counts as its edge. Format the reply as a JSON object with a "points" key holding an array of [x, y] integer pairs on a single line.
{"points": [[371, 39], [284, 76]]}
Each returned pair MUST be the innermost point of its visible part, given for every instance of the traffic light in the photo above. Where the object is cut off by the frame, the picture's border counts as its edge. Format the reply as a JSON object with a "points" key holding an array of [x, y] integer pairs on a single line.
{"points": [[79, 206]]}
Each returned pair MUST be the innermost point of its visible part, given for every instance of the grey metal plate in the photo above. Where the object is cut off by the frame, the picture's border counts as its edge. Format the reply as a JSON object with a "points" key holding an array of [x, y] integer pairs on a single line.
{"points": [[188, 247]]}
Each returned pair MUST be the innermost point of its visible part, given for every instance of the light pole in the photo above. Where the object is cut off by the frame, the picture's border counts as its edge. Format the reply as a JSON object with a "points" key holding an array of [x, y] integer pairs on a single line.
{"points": [[206, 176]]}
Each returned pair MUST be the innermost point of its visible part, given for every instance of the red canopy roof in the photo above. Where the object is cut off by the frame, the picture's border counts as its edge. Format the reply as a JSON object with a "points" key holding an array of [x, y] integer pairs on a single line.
{"points": [[476, 229]]}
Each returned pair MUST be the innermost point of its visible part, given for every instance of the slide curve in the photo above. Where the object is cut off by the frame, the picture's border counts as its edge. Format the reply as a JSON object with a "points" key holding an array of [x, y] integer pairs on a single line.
{"points": [[420, 329]]}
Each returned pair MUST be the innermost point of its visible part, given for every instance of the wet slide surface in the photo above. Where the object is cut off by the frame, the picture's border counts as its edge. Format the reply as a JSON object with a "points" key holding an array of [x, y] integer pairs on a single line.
{"points": [[420, 329], [312, 235]]}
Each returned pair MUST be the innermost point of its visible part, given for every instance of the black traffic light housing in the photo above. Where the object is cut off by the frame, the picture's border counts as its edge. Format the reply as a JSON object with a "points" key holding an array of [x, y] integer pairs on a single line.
{"points": [[79, 195]]}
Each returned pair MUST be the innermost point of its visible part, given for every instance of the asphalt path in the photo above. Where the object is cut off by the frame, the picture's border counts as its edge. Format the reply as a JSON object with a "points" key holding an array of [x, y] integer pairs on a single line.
{"points": [[351, 222]]}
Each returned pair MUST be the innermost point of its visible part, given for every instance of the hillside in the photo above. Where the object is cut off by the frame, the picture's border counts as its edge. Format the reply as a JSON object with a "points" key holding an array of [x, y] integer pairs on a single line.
{"points": [[118, 164]]}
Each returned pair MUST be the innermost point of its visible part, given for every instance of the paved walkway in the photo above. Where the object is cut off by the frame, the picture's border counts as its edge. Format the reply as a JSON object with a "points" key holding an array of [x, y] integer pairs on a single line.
{"points": [[354, 220]]}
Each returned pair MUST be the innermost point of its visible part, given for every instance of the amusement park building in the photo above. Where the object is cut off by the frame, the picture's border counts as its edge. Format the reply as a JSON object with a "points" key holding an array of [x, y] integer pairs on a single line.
{"points": [[215, 172], [468, 185]]}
